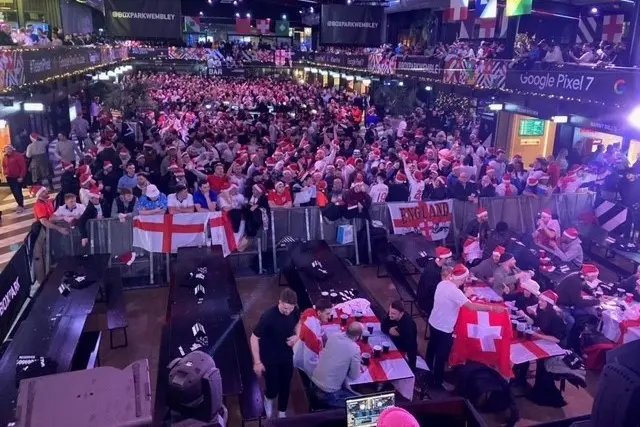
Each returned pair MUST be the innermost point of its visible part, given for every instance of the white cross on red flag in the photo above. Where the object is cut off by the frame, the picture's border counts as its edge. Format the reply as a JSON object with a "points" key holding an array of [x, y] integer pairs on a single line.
{"points": [[487, 28], [432, 219], [484, 337], [263, 25], [612, 28], [167, 233]]}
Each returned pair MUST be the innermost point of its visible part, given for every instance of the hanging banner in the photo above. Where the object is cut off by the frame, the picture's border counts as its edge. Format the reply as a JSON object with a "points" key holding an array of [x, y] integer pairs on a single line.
{"points": [[144, 19], [225, 72], [352, 25], [15, 284], [432, 219]]}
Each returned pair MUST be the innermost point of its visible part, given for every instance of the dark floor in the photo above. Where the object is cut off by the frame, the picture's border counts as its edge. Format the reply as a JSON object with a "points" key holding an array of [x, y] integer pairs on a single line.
{"points": [[146, 312]]}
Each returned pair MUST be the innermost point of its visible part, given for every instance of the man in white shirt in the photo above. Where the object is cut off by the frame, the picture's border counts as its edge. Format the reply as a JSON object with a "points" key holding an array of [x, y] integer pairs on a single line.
{"points": [[181, 201], [402, 127], [70, 210], [448, 301], [379, 191], [554, 55]]}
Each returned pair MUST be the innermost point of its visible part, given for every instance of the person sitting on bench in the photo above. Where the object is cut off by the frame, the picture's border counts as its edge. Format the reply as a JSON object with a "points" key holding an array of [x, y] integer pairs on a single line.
{"points": [[402, 329], [527, 298], [484, 271], [339, 361], [570, 247]]}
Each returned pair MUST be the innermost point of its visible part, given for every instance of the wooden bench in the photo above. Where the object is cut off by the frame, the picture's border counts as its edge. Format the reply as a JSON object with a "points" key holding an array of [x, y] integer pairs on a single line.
{"points": [[116, 309], [87, 353], [251, 403]]}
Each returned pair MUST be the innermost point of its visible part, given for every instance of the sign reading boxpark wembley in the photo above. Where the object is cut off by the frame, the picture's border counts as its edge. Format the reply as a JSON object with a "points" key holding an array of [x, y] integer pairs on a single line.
{"points": [[420, 66], [580, 82], [351, 25], [144, 19]]}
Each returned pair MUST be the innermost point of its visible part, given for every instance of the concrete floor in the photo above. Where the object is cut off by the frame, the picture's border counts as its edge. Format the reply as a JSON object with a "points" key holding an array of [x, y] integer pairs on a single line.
{"points": [[146, 311]]}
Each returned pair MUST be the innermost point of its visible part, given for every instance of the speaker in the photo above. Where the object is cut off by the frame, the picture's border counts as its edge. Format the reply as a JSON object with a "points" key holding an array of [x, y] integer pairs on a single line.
{"points": [[616, 402]]}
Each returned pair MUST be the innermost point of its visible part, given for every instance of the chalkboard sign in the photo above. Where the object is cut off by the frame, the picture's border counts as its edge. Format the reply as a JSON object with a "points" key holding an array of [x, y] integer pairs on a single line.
{"points": [[531, 127]]}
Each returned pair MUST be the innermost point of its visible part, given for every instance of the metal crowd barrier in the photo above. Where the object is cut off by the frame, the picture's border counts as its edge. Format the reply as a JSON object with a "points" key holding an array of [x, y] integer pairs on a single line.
{"points": [[110, 236]]}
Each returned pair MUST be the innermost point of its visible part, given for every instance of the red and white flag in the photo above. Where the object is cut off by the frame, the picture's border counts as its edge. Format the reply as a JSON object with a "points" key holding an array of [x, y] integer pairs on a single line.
{"points": [[486, 28], [263, 25], [612, 28], [282, 57], [432, 219], [457, 11], [483, 337], [222, 232], [167, 233]]}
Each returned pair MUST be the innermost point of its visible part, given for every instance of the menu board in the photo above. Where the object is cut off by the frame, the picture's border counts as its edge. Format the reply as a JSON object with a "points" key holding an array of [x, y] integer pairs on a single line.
{"points": [[531, 127]]}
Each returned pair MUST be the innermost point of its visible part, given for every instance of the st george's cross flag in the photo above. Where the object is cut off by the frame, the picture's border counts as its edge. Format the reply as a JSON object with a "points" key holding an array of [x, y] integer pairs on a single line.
{"points": [[167, 233], [432, 219], [222, 232], [457, 11], [483, 337]]}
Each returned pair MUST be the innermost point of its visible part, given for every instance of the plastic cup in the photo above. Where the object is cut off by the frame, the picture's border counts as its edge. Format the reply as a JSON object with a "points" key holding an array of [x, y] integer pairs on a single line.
{"points": [[621, 292], [366, 359], [365, 337], [385, 347], [370, 329], [359, 316], [377, 351], [343, 319], [521, 327]]}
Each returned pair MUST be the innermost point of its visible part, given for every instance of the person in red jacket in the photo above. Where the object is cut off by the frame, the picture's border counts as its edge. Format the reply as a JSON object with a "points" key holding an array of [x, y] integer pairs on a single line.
{"points": [[15, 169]]}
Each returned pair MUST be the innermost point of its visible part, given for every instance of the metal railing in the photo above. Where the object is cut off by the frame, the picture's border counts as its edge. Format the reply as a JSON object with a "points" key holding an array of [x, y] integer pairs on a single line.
{"points": [[111, 236]]}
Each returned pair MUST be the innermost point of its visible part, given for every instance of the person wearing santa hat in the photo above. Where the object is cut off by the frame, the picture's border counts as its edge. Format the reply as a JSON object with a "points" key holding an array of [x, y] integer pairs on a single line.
{"points": [[548, 229], [478, 228], [570, 247], [37, 153], [507, 275], [280, 196], [632, 284], [379, 191], [69, 210], [506, 188], [448, 300], [590, 275], [527, 297], [430, 277], [256, 211], [487, 267], [398, 189], [92, 211]]}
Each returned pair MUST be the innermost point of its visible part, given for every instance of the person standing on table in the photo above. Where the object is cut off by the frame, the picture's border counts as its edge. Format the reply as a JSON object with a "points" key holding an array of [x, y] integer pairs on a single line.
{"points": [[449, 299], [403, 331], [551, 328], [485, 270], [527, 298], [506, 276], [272, 344], [548, 229], [312, 337], [570, 248], [339, 362], [430, 277]]}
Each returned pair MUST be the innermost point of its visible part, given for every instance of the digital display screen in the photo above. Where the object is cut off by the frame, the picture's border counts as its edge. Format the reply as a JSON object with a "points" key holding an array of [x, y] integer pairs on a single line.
{"points": [[531, 127], [364, 411]]}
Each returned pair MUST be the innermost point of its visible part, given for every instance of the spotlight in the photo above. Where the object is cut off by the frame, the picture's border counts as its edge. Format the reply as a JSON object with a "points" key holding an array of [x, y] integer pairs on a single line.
{"points": [[237, 15], [235, 3], [428, 88], [634, 117], [311, 9], [348, 2], [400, 83], [248, 15], [284, 17], [496, 107], [33, 106], [201, 13], [594, 10], [560, 119], [300, 11]]}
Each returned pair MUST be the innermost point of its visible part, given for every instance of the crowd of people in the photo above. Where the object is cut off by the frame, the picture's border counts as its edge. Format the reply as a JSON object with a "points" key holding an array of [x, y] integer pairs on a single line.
{"points": [[34, 37], [549, 52]]}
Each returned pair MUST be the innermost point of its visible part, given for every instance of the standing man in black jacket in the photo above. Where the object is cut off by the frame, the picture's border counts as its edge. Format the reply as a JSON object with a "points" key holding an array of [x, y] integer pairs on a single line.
{"points": [[402, 329], [430, 277]]}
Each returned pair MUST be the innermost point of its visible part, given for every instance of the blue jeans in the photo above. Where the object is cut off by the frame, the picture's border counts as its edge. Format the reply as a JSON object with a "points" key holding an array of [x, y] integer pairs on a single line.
{"points": [[336, 399]]}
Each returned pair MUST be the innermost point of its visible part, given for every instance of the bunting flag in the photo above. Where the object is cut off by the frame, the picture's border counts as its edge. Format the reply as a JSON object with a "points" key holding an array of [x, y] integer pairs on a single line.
{"points": [[486, 28], [486, 9], [519, 7], [612, 28], [467, 26], [282, 28], [458, 11], [243, 25], [263, 26], [191, 24]]}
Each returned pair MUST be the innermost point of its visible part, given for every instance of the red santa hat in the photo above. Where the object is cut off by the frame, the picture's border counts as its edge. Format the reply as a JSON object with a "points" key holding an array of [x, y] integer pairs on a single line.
{"points": [[549, 296], [148, 144], [418, 175], [124, 152], [340, 159], [571, 233], [107, 164], [322, 185], [443, 252], [532, 181], [34, 136], [499, 250], [590, 270], [90, 153], [460, 272], [140, 156], [482, 212], [270, 162], [491, 169], [400, 177], [173, 167], [127, 258], [85, 179], [68, 166], [179, 172], [37, 190], [259, 188], [547, 213], [279, 184], [94, 192], [506, 178]]}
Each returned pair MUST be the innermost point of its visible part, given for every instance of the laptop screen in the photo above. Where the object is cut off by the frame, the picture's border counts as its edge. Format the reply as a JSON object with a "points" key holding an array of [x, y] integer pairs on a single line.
{"points": [[363, 411]]}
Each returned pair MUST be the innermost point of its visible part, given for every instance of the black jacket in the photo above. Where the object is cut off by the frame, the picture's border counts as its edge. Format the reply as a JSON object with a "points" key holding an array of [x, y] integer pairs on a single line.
{"points": [[429, 279], [462, 192], [398, 193], [89, 213], [569, 293], [407, 341]]}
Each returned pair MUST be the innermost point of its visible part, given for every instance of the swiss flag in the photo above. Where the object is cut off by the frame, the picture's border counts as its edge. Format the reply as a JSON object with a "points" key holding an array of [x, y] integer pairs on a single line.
{"points": [[483, 337], [243, 25], [263, 25]]}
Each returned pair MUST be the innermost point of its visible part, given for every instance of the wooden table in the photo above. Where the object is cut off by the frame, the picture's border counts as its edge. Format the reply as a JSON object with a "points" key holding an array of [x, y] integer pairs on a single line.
{"points": [[54, 324]]}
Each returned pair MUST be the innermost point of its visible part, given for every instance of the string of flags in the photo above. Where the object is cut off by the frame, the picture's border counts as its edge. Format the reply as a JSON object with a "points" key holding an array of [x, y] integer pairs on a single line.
{"points": [[263, 26]]}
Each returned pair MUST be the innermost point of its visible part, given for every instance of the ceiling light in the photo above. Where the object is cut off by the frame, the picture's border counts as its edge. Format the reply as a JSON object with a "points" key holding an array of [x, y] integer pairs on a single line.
{"points": [[248, 15], [560, 119], [428, 88], [594, 10], [496, 107], [284, 17], [237, 15]]}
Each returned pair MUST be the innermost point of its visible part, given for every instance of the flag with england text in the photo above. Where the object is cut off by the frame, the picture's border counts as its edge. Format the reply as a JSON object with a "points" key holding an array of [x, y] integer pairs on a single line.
{"points": [[167, 233], [222, 232], [432, 219], [484, 337]]}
